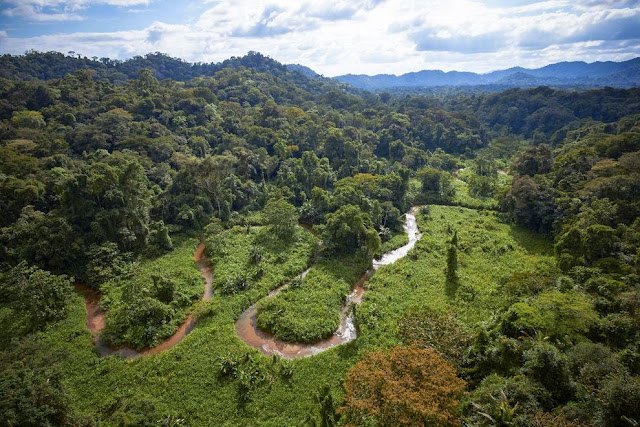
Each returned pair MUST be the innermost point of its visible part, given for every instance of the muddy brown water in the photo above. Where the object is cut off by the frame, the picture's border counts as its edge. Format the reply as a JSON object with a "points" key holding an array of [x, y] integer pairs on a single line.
{"points": [[248, 331], [246, 327], [95, 316]]}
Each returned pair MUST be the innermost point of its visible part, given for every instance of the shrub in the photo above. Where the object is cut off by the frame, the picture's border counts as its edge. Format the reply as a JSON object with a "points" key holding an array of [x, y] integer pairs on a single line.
{"points": [[619, 400], [547, 365], [504, 401], [238, 283]]}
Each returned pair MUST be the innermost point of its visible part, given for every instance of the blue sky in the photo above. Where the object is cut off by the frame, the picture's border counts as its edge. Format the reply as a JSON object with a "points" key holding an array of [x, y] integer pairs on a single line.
{"points": [[333, 37]]}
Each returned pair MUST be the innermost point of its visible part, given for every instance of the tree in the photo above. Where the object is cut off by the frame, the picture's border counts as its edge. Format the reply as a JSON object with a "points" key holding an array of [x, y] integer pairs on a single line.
{"points": [[28, 119], [405, 386], [106, 262], [282, 218], [599, 241], [530, 204], [536, 160], [213, 178], [326, 406], [562, 316], [349, 229], [31, 385], [547, 365], [436, 184], [482, 186], [38, 295], [452, 281]]}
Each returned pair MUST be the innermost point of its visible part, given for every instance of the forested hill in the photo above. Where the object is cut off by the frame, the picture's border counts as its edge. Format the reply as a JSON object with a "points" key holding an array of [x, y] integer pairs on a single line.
{"points": [[257, 124], [51, 65]]}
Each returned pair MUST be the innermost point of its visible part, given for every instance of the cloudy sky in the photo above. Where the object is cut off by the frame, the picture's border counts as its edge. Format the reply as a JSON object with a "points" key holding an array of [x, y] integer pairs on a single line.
{"points": [[333, 37]]}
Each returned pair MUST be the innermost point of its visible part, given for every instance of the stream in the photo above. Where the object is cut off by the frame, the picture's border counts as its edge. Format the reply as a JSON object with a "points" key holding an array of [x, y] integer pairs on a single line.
{"points": [[95, 316], [248, 331], [245, 326]]}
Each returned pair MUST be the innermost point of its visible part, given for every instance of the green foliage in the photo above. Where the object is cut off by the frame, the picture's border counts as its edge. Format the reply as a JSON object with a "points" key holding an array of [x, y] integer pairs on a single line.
{"points": [[235, 270], [545, 364], [562, 316], [37, 295], [97, 171], [437, 185], [106, 262], [145, 306], [441, 331], [326, 407], [28, 119], [310, 310], [452, 281], [505, 401], [349, 229], [620, 400], [282, 218], [159, 239], [31, 390]]}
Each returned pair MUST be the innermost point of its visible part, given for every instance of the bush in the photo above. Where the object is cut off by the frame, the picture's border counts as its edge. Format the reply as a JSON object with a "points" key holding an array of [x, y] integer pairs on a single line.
{"points": [[562, 316], [547, 365], [620, 400], [106, 262], [31, 391], [282, 218], [238, 283], [504, 401]]}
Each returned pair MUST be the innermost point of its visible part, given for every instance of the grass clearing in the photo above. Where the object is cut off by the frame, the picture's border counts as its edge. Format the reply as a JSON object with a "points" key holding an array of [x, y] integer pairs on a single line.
{"points": [[489, 252]]}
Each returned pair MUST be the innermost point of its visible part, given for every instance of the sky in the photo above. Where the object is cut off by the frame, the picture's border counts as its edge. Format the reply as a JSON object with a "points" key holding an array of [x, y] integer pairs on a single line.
{"points": [[333, 37]]}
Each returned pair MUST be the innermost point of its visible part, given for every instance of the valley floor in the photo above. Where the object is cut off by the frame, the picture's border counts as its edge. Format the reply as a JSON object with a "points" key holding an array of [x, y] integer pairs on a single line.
{"points": [[185, 384]]}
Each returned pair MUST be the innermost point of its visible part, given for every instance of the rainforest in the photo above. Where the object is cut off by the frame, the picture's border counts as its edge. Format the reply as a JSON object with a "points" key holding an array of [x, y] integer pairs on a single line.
{"points": [[243, 243]]}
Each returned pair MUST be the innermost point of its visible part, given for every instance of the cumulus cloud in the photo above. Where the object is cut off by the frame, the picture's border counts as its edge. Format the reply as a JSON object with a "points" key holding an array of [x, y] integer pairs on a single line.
{"points": [[368, 36]]}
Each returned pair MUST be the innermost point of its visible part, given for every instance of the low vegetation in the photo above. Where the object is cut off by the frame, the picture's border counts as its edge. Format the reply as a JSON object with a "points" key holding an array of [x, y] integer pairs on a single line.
{"points": [[308, 310], [149, 302]]}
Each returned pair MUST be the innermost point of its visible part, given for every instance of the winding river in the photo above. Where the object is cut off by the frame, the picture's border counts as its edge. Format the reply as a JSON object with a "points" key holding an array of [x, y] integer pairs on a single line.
{"points": [[245, 326], [95, 316], [248, 331]]}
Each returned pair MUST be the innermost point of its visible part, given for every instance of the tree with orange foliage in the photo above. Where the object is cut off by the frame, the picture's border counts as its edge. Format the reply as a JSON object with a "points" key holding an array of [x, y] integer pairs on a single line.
{"points": [[406, 386]]}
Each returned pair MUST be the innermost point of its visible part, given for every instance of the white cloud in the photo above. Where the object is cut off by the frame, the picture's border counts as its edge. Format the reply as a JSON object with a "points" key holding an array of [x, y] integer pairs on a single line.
{"points": [[59, 10], [34, 13], [392, 36]]}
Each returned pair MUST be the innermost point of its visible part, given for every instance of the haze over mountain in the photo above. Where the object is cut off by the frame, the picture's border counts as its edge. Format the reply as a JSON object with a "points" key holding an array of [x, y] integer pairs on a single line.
{"points": [[609, 73]]}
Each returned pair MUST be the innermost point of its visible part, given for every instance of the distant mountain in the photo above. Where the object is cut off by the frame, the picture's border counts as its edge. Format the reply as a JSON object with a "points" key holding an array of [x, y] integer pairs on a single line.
{"points": [[596, 74], [51, 65]]}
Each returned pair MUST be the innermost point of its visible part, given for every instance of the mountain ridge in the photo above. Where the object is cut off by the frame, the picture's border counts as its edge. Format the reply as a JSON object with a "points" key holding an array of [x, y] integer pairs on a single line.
{"points": [[578, 73]]}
